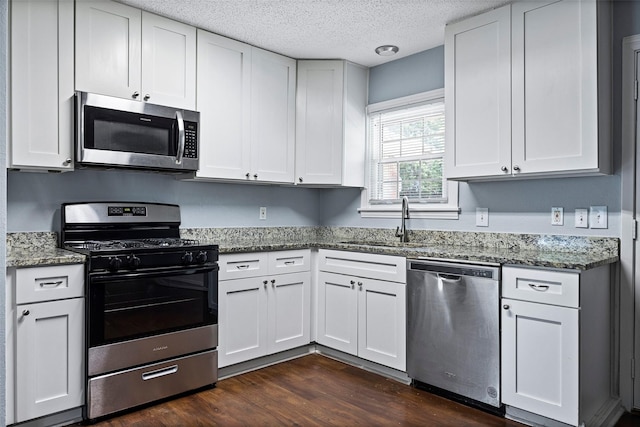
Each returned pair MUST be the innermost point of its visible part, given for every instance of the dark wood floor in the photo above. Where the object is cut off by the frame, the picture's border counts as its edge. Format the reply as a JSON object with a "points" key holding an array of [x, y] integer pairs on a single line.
{"points": [[311, 391]]}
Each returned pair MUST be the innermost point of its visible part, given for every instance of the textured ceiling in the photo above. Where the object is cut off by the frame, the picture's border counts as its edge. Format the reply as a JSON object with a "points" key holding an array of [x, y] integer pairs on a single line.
{"points": [[324, 29]]}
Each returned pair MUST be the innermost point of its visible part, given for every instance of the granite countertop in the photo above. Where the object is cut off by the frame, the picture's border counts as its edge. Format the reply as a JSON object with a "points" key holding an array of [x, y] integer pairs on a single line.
{"points": [[550, 251], [537, 258], [38, 249]]}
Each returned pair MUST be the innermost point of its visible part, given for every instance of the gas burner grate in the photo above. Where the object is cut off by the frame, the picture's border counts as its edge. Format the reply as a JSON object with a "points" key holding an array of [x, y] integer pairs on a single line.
{"points": [[170, 242], [97, 245]]}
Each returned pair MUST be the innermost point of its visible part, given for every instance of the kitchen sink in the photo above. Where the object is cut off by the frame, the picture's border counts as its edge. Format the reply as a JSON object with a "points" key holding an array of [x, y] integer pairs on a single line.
{"points": [[391, 244]]}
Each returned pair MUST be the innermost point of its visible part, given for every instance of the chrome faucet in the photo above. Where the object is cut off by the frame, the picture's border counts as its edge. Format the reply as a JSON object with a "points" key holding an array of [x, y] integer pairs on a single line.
{"points": [[401, 231]]}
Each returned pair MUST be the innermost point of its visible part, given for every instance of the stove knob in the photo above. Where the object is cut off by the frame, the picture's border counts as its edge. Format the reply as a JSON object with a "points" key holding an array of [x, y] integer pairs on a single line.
{"points": [[134, 261], [187, 258], [202, 257], [115, 263]]}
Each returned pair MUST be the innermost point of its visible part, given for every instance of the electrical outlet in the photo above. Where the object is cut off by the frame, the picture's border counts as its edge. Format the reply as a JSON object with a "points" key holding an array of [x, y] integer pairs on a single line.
{"points": [[557, 216], [263, 212], [582, 218], [482, 217], [598, 217]]}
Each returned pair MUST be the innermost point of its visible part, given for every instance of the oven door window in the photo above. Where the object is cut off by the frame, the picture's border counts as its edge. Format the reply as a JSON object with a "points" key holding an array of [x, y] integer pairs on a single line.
{"points": [[129, 306]]}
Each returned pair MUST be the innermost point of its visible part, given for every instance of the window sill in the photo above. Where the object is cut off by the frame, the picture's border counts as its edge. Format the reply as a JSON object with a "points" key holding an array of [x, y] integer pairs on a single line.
{"points": [[417, 212]]}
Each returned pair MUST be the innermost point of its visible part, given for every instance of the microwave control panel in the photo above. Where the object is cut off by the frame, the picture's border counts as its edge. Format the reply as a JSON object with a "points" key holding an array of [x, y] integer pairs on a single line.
{"points": [[191, 140]]}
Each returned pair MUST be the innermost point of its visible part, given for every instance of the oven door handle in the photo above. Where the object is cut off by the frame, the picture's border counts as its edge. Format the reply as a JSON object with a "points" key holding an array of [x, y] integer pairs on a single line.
{"points": [[159, 273]]}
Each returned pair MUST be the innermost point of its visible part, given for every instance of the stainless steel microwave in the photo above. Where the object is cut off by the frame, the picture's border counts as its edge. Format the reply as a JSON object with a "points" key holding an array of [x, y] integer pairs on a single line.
{"points": [[115, 132]]}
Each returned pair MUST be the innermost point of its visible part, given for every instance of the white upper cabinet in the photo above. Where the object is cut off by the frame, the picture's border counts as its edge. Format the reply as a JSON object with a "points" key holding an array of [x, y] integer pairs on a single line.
{"points": [[41, 85], [330, 123], [108, 44], [224, 95], [246, 99], [527, 91], [168, 62], [478, 95], [555, 87], [273, 115], [124, 52]]}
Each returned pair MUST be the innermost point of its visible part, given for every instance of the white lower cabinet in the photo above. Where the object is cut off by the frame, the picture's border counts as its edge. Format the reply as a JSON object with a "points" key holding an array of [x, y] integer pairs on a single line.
{"points": [[358, 313], [555, 344], [264, 304], [45, 341]]}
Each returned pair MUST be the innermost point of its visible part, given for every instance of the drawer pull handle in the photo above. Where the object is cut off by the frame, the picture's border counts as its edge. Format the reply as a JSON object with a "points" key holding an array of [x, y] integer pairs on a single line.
{"points": [[539, 288], [52, 284], [242, 267], [25, 312], [160, 372], [506, 306], [289, 262]]}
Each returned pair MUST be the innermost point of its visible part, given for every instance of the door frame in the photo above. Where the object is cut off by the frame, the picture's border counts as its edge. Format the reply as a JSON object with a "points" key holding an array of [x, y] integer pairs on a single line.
{"points": [[629, 287]]}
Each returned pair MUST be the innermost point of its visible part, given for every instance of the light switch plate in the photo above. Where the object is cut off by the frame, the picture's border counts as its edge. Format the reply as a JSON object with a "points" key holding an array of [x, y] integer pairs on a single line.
{"points": [[598, 217], [263, 212], [557, 216], [482, 217], [582, 218]]}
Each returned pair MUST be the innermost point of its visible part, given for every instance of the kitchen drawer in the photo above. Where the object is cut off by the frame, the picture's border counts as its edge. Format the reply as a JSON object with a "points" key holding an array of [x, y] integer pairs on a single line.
{"points": [[374, 266], [539, 285], [281, 262], [240, 266], [38, 284]]}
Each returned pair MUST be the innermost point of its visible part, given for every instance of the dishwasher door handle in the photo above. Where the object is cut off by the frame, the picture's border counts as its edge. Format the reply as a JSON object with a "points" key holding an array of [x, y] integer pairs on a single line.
{"points": [[449, 277]]}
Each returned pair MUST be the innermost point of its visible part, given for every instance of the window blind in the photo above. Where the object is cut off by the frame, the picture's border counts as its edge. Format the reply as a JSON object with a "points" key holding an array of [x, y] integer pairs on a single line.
{"points": [[406, 154]]}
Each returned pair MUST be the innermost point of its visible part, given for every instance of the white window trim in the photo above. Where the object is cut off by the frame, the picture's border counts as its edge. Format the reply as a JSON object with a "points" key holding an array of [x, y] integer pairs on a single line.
{"points": [[449, 210]]}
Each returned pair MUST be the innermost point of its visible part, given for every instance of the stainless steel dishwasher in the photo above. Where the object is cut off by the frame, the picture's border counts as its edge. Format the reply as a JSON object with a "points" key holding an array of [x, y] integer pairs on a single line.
{"points": [[453, 330]]}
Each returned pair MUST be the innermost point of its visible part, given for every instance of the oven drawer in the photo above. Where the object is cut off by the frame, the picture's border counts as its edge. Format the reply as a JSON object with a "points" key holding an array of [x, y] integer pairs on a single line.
{"points": [[38, 284], [243, 265], [110, 393]]}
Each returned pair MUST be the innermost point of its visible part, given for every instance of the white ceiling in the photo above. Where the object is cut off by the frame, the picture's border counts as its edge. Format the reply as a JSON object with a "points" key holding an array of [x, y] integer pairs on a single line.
{"points": [[324, 29]]}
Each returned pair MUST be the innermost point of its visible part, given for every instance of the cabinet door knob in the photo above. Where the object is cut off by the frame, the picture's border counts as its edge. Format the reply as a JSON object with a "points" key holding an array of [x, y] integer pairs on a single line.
{"points": [[67, 162], [255, 175], [273, 282], [25, 312], [516, 168], [360, 284], [504, 169], [146, 97], [135, 95], [300, 179], [247, 174], [506, 306]]}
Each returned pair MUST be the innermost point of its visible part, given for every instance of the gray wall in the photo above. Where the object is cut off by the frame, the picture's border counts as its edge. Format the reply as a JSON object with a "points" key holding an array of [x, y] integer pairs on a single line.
{"points": [[35, 198], [416, 73], [514, 206]]}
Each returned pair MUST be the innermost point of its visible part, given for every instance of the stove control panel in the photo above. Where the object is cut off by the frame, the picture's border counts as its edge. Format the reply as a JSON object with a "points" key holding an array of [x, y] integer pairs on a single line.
{"points": [[126, 211]]}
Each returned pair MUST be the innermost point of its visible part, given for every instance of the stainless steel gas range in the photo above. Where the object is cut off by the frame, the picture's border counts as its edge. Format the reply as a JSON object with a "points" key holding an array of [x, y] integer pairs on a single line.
{"points": [[152, 310]]}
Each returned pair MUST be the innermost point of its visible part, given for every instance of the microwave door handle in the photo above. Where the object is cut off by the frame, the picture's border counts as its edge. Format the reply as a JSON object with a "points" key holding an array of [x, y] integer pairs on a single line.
{"points": [[181, 138]]}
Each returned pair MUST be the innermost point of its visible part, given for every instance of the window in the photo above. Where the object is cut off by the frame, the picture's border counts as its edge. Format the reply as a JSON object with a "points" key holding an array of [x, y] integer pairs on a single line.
{"points": [[406, 145]]}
